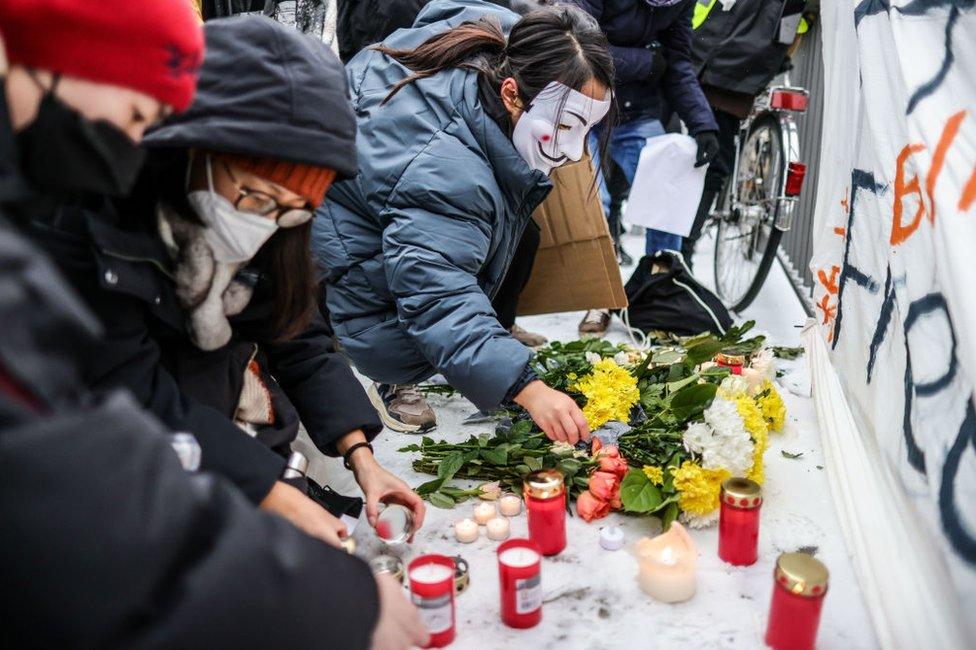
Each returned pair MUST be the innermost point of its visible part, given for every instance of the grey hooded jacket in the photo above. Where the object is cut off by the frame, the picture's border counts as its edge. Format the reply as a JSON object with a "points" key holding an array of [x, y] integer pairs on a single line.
{"points": [[417, 244]]}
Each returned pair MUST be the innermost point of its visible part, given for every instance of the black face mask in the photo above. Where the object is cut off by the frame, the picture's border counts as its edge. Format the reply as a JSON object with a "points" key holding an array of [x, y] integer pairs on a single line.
{"points": [[64, 154]]}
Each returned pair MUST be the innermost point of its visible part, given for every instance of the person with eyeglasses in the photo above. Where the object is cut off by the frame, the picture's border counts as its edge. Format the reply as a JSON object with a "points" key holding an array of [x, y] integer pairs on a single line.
{"points": [[203, 275]]}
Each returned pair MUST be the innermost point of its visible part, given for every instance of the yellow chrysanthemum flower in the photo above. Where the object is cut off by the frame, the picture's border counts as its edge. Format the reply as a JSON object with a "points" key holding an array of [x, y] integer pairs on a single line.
{"points": [[610, 392], [698, 487], [752, 416], [655, 474], [758, 472], [772, 406]]}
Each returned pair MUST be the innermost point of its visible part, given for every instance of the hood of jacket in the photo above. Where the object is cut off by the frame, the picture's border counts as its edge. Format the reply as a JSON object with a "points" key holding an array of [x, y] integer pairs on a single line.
{"points": [[266, 90]]}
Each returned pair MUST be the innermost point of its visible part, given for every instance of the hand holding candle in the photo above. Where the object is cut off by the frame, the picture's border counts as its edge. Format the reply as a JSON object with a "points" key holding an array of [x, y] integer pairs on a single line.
{"points": [[667, 565]]}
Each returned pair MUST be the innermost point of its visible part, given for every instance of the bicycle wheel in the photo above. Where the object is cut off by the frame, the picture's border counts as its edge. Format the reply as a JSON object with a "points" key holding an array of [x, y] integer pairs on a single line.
{"points": [[746, 239]]}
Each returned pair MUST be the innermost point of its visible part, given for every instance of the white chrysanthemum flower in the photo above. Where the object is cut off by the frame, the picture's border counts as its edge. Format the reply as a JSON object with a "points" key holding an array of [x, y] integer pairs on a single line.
{"points": [[621, 359], [731, 452], [765, 362], [733, 386], [592, 357], [723, 416], [697, 436], [699, 521]]}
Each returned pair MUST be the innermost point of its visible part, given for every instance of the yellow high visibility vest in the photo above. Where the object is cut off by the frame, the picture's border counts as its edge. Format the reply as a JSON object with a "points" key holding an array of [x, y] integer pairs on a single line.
{"points": [[702, 9]]}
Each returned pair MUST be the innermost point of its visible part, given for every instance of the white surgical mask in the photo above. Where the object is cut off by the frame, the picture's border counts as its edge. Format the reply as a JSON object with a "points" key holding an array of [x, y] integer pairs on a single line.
{"points": [[233, 236], [554, 128]]}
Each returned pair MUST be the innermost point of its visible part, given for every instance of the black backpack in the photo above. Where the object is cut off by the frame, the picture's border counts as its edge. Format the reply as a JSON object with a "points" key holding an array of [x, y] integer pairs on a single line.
{"points": [[672, 300]]}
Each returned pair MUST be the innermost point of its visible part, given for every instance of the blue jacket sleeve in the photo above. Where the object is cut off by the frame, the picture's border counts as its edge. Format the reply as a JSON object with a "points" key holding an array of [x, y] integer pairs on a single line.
{"points": [[432, 260], [680, 84]]}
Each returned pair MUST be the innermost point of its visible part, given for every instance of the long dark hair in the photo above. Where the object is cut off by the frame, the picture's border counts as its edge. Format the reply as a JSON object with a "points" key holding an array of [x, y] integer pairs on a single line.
{"points": [[285, 259], [556, 43]]}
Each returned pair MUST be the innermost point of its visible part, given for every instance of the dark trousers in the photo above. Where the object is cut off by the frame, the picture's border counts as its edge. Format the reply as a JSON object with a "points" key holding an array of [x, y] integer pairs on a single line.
{"points": [[505, 302], [718, 171]]}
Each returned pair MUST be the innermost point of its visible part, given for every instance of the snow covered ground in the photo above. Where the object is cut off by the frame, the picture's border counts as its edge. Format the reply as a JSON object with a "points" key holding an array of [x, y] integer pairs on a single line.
{"points": [[592, 598]]}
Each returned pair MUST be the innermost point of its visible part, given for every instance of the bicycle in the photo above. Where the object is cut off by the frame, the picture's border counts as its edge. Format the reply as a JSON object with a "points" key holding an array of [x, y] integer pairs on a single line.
{"points": [[756, 206]]}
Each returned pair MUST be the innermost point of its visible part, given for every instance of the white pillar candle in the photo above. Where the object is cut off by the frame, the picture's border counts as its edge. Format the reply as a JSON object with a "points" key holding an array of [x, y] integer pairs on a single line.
{"points": [[510, 505], [466, 531], [667, 565], [484, 512], [498, 528]]}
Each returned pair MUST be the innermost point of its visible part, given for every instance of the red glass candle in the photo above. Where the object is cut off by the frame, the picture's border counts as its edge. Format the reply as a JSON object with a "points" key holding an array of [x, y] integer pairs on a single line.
{"points": [[519, 579], [432, 591], [545, 508], [738, 523], [800, 582], [733, 362]]}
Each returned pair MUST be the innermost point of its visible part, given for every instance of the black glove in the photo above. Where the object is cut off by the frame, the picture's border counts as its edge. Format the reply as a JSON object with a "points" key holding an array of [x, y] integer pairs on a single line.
{"points": [[658, 63], [707, 147]]}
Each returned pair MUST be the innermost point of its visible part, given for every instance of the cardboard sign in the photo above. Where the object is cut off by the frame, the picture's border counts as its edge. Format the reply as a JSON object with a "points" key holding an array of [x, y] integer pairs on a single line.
{"points": [[576, 267]]}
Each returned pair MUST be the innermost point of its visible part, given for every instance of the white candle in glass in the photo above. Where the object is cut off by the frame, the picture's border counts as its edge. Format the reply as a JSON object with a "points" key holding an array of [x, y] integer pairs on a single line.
{"points": [[497, 528], [466, 531], [483, 512], [510, 505], [667, 565], [518, 556], [431, 573]]}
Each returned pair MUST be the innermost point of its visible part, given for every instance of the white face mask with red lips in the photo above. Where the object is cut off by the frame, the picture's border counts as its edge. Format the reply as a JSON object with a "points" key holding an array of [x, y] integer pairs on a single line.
{"points": [[554, 128]]}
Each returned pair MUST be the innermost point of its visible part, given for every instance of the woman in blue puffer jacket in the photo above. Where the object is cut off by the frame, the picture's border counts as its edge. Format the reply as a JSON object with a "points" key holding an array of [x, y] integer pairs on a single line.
{"points": [[458, 129]]}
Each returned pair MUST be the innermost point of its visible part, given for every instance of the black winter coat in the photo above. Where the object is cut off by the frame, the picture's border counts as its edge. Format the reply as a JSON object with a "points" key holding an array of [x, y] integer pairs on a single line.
{"points": [[124, 275], [631, 27], [106, 541]]}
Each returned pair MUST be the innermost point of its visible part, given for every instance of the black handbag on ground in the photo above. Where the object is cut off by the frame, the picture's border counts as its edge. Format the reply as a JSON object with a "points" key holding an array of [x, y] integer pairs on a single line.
{"points": [[665, 296]]}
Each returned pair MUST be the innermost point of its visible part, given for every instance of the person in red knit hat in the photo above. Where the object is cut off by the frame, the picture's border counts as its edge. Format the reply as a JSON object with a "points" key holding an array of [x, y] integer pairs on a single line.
{"points": [[85, 81]]}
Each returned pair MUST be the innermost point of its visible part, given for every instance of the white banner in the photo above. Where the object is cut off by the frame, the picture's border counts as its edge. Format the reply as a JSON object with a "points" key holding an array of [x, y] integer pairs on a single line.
{"points": [[895, 252]]}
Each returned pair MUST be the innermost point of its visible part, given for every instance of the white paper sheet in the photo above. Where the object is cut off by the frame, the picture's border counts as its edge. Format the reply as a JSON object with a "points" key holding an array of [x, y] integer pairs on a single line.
{"points": [[667, 186]]}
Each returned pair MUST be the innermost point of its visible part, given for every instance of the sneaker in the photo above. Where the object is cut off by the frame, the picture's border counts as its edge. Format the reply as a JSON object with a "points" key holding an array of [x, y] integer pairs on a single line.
{"points": [[595, 323], [624, 257], [526, 338], [402, 407]]}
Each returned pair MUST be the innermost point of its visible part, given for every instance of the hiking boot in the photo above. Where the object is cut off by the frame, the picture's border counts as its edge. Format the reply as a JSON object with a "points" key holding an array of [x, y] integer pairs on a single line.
{"points": [[595, 323], [402, 407], [526, 338]]}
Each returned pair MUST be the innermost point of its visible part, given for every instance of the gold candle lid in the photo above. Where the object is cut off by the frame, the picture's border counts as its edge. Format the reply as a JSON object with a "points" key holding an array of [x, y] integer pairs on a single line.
{"points": [[730, 359], [544, 484], [801, 574], [741, 493]]}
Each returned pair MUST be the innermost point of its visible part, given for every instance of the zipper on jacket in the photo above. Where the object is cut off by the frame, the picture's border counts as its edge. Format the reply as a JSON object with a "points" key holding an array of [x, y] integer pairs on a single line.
{"points": [[147, 260]]}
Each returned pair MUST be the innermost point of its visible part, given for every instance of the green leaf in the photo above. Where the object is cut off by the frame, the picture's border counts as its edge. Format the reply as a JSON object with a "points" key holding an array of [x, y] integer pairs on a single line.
{"points": [[675, 386], [669, 516], [522, 469], [532, 443], [789, 455], [410, 448], [469, 457], [429, 487], [692, 400], [569, 466], [427, 440], [704, 351], [483, 440], [581, 481], [638, 494], [440, 500], [497, 456], [534, 464], [450, 465], [521, 428]]}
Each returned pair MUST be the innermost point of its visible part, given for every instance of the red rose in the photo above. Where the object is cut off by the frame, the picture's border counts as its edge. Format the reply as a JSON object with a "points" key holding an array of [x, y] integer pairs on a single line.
{"points": [[604, 485], [595, 446], [589, 507], [611, 461]]}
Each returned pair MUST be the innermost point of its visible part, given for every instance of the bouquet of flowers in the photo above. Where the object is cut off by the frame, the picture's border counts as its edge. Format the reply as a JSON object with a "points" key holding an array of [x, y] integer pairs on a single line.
{"points": [[687, 425]]}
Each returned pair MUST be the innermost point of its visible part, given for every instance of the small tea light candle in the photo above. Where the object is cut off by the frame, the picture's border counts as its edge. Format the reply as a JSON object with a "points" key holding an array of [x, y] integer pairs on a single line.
{"points": [[667, 565], [484, 512], [466, 531], [497, 528], [510, 505]]}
